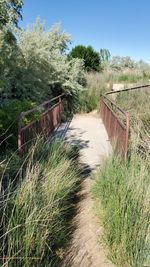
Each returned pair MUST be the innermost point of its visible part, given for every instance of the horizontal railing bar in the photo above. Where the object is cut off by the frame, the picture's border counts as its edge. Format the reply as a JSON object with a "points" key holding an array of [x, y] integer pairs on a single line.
{"points": [[115, 105], [119, 121], [48, 120], [51, 100], [27, 126], [41, 105], [43, 114], [128, 89]]}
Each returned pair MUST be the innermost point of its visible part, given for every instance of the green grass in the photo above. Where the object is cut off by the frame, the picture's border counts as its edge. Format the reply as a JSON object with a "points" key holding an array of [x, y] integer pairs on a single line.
{"points": [[36, 206], [89, 99], [137, 103], [87, 102], [99, 83], [122, 191], [122, 200]]}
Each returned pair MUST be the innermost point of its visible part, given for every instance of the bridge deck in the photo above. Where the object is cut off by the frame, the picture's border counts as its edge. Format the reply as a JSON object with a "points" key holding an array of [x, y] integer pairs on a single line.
{"points": [[88, 132]]}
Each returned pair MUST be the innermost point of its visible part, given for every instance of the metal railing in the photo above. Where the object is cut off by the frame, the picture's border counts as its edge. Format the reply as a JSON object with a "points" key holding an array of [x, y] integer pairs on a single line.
{"points": [[129, 89], [117, 121], [44, 125], [117, 129]]}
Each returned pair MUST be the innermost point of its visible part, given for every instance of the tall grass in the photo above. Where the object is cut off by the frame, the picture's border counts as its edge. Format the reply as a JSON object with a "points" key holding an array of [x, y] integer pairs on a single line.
{"points": [[98, 83], [137, 103], [89, 98], [35, 210], [124, 193]]}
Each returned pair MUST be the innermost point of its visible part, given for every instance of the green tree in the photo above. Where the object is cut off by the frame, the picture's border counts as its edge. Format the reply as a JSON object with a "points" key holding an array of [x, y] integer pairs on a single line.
{"points": [[90, 57], [10, 11]]}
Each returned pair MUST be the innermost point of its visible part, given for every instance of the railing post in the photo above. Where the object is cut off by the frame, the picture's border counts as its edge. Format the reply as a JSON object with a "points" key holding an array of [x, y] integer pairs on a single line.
{"points": [[59, 108]]}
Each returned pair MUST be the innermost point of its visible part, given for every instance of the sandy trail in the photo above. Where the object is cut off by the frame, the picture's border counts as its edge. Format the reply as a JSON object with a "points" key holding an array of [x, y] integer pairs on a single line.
{"points": [[85, 250]]}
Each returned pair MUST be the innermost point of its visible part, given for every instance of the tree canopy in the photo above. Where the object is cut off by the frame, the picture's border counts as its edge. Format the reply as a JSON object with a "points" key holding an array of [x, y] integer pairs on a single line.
{"points": [[10, 11], [90, 57], [36, 66]]}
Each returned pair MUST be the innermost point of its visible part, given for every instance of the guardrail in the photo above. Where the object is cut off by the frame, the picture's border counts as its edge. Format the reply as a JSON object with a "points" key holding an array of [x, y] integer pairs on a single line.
{"points": [[117, 129], [129, 89], [117, 121], [44, 125]]}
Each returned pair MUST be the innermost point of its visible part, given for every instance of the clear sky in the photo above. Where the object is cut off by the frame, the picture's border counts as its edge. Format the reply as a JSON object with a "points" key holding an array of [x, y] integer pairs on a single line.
{"points": [[122, 26]]}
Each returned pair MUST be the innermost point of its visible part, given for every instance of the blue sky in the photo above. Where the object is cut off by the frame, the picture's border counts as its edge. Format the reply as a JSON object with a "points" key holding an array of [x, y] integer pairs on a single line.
{"points": [[122, 26]]}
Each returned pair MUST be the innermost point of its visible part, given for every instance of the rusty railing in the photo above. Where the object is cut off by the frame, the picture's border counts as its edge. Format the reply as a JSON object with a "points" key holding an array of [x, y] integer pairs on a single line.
{"points": [[117, 129], [146, 86], [116, 120], [44, 125]]}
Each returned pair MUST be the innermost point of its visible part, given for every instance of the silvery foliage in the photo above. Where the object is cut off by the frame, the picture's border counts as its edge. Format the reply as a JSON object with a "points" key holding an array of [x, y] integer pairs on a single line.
{"points": [[11, 62], [40, 67], [10, 11], [47, 64], [121, 63]]}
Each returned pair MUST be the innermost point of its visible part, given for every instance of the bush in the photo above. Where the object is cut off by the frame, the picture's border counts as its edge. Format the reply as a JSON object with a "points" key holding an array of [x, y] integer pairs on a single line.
{"points": [[34, 217], [123, 190], [34, 65], [9, 114], [10, 12]]}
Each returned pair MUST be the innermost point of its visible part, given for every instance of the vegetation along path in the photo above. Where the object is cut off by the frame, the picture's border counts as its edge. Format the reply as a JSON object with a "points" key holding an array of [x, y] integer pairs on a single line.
{"points": [[88, 132]]}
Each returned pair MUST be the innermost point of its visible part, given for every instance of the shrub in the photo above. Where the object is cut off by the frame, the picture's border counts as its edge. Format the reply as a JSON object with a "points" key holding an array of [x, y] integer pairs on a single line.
{"points": [[48, 72], [10, 11], [9, 113], [34, 64]]}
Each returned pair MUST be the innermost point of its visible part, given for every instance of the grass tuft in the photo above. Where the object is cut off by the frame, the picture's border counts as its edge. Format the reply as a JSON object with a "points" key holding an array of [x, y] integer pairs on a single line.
{"points": [[124, 193], [34, 215]]}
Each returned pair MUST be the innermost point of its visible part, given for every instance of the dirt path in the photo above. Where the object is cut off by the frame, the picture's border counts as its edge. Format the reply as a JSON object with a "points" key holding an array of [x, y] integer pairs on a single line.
{"points": [[88, 132]]}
